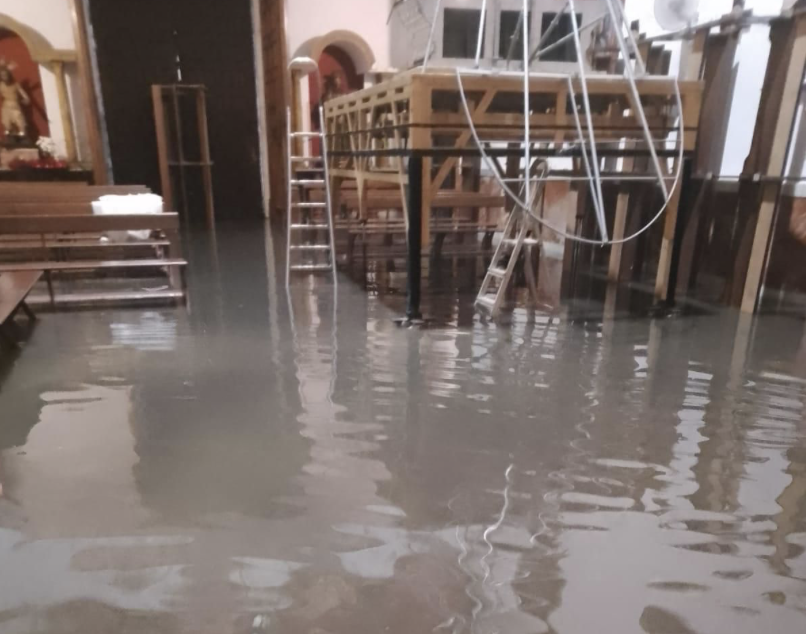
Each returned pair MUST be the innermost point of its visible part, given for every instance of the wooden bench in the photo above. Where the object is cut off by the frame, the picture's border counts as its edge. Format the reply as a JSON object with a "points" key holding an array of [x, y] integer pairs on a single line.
{"points": [[67, 199], [14, 290], [165, 225]]}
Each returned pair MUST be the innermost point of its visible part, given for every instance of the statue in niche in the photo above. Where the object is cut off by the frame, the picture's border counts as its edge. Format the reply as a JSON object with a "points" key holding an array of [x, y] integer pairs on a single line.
{"points": [[14, 98]]}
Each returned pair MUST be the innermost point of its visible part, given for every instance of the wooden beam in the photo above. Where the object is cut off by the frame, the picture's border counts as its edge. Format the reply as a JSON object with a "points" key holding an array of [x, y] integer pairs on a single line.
{"points": [[276, 85], [65, 111], [667, 242], [719, 76], [619, 226], [693, 56], [781, 94], [100, 170], [162, 147]]}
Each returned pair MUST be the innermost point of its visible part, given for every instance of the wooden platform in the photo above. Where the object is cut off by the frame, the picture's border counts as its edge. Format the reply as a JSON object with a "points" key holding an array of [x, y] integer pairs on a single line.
{"points": [[412, 131], [371, 132]]}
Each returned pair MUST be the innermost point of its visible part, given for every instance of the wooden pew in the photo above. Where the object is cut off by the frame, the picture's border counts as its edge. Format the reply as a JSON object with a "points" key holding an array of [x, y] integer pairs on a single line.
{"points": [[66, 200], [14, 290], [52, 229]]}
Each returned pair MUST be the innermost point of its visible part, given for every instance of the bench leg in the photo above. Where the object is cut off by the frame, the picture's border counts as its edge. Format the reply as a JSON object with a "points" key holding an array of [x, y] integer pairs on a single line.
{"points": [[28, 312], [49, 280]]}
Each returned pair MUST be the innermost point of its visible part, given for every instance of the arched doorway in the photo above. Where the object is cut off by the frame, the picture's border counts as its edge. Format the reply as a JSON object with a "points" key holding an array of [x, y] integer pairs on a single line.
{"points": [[15, 55], [338, 76]]}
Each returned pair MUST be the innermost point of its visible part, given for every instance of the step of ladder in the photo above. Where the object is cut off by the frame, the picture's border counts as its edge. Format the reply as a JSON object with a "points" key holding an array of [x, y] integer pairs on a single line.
{"points": [[310, 247], [305, 181], [306, 135], [313, 227], [309, 205], [527, 242], [311, 267], [297, 159], [519, 227]]}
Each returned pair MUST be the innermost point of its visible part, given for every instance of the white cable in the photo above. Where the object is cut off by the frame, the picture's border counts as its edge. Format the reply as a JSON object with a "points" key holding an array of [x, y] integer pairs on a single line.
{"points": [[639, 60], [527, 110], [600, 215], [637, 106], [542, 51], [431, 35], [482, 24], [547, 33], [585, 160], [563, 234]]}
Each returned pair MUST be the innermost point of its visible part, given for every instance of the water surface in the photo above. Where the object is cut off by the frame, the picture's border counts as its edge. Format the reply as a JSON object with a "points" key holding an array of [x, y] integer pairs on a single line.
{"points": [[299, 464]]}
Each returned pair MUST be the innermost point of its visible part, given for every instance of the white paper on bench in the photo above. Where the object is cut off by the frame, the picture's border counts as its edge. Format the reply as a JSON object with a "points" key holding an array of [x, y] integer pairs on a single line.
{"points": [[131, 204]]}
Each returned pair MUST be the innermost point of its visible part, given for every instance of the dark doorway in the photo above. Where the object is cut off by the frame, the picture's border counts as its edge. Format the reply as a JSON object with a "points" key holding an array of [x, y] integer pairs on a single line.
{"points": [[137, 45]]}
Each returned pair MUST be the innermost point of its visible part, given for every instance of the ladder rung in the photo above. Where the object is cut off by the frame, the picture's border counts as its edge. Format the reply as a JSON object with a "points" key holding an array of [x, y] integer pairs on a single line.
{"points": [[306, 135], [309, 247], [310, 205], [527, 242], [497, 272], [311, 267], [318, 227], [306, 158], [307, 182], [486, 301]]}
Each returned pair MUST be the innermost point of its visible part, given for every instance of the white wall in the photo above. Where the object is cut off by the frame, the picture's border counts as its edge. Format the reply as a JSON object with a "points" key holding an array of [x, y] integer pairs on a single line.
{"points": [[53, 19], [307, 19]]}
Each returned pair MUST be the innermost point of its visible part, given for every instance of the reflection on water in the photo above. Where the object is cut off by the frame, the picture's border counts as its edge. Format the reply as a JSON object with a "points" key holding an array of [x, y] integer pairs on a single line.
{"points": [[272, 462]]}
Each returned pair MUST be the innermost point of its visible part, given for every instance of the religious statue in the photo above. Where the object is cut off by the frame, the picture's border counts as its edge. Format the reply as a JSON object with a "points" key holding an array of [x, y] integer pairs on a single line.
{"points": [[14, 98]]}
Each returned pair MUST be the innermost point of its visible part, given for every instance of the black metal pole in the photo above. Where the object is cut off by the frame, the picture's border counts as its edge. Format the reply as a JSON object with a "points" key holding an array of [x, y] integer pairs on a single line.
{"points": [[414, 237], [683, 211]]}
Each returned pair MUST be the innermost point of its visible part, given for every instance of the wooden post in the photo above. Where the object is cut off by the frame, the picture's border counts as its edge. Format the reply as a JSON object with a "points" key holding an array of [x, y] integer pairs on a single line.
{"points": [[620, 223], [691, 116], [276, 84], [777, 111], [719, 76], [100, 171], [206, 159], [65, 110], [162, 148], [667, 244], [693, 55], [559, 210]]}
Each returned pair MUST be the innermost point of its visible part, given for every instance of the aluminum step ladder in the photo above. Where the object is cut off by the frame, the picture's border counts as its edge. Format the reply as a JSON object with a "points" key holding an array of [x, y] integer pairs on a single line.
{"points": [[310, 243], [521, 231]]}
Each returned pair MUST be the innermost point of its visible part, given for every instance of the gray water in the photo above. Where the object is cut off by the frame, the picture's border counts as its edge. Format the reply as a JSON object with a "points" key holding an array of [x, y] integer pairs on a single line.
{"points": [[259, 465]]}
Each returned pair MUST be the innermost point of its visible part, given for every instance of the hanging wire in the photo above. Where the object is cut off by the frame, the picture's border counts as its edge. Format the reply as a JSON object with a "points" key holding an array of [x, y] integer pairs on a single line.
{"points": [[637, 107], [482, 31], [527, 110], [600, 213], [564, 234], [431, 35], [594, 176]]}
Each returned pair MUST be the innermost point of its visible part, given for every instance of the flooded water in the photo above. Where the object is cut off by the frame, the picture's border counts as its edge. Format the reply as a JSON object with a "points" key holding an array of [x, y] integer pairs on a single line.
{"points": [[256, 464]]}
